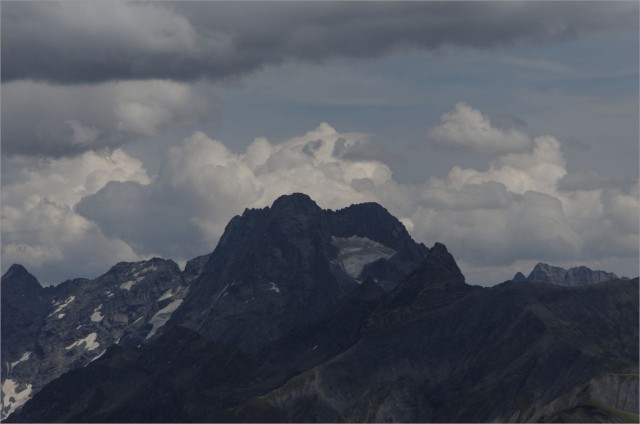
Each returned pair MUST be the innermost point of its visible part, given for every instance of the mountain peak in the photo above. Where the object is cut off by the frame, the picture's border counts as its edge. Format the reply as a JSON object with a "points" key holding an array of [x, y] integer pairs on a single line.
{"points": [[15, 270], [519, 277], [543, 265], [18, 273], [439, 256], [439, 249], [295, 202]]}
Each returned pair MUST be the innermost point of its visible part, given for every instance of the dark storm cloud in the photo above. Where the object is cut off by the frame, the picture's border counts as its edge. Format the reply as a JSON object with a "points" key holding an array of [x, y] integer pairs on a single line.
{"points": [[73, 42]]}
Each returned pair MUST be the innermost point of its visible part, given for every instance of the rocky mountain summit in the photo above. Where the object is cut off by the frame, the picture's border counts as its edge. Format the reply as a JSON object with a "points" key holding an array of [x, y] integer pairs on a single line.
{"points": [[573, 277], [275, 268]]}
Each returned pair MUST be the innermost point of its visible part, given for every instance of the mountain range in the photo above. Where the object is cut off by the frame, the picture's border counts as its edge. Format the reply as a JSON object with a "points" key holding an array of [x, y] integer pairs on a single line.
{"points": [[304, 314]]}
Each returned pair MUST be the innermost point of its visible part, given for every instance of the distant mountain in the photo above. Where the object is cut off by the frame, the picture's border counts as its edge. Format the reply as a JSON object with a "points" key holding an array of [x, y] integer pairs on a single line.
{"points": [[432, 349], [276, 268], [573, 277]]}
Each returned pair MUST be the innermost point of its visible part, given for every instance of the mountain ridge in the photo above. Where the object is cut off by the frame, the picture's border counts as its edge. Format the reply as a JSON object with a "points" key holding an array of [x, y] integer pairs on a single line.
{"points": [[576, 276], [328, 315], [64, 327]]}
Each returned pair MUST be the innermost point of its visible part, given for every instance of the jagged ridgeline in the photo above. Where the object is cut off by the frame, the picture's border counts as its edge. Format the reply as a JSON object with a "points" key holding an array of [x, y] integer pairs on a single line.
{"points": [[304, 314]]}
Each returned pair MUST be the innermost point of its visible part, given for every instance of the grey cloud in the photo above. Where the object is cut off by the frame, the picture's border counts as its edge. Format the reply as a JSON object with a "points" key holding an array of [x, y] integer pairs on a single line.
{"points": [[54, 120], [573, 181], [71, 42], [135, 213], [313, 146], [488, 195], [364, 151]]}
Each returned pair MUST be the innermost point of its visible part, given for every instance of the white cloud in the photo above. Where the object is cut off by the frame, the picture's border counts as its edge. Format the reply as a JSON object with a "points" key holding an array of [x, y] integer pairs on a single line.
{"points": [[202, 184], [465, 127], [40, 228], [512, 214]]}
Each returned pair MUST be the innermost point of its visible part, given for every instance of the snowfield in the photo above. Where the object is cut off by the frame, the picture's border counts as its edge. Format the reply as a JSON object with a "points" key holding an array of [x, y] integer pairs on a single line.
{"points": [[356, 252], [97, 316], [62, 306], [12, 399], [25, 356], [162, 316], [127, 285]]}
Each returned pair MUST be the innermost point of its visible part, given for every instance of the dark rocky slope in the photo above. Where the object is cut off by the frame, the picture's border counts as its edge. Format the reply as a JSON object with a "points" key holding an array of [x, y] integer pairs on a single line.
{"points": [[176, 377], [433, 349], [48, 331], [438, 351]]}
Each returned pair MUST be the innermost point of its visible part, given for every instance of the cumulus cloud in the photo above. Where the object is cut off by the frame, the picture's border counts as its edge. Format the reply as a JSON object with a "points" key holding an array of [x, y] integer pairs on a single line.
{"points": [[202, 184], [496, 220], [533, 216], [514, 212], [465, 127], [40, 228], [53, 120], [69, 42]]}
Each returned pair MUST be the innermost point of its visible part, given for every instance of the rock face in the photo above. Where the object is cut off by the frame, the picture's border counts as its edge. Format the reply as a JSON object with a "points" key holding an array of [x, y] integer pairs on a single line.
{"points": [[48, 331], [578, 276], [275, 268]]}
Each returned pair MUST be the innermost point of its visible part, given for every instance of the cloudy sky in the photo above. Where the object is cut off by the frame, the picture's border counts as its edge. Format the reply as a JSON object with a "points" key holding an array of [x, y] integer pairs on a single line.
{"points": [[506, 130]]}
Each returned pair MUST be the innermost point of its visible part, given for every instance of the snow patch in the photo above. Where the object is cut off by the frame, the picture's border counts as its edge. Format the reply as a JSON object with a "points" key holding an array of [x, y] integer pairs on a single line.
{"points": [[89, 341], [148, 269], [166, 295], [162, 316], [223, 292], [25, 356], [96, 357], [315, 347], [63, 305], [97, 316], [274, 287], [12, 399], [127, 285], [355, 252], [60, 316]]}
